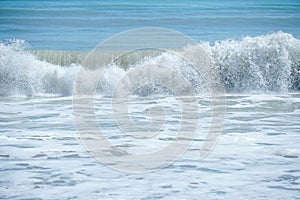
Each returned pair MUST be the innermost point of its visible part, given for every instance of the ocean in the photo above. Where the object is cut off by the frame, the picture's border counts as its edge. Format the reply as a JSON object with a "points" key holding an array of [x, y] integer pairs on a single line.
{"points": [[149, 99], [81, 25]]}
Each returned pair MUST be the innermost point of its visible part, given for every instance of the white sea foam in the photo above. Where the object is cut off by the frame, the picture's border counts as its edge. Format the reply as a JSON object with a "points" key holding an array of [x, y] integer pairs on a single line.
{"points": [[269, 63], [21, 73]]}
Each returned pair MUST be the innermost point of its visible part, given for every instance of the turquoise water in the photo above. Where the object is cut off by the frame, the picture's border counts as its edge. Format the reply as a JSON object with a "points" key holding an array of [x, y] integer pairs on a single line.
{"points": [[80, 25]]}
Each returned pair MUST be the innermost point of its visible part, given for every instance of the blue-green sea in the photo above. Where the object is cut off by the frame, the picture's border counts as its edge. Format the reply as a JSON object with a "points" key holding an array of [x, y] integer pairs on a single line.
{"points": [[80, 25]]}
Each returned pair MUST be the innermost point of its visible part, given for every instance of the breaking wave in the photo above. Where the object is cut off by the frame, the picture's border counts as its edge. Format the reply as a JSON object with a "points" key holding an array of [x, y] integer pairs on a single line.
{"points": [[269, 63]]}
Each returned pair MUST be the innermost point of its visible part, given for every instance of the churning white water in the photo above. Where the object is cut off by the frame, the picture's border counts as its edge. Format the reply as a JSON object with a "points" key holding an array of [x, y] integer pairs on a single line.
{"points": [[269, 63]]}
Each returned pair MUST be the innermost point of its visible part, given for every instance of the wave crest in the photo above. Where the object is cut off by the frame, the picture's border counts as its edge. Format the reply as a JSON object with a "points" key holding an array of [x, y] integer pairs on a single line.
{"points": [[269, 63]]}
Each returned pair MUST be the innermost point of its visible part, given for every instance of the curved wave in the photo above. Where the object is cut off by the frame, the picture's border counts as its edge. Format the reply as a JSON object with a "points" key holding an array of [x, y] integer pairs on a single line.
{"points": [[269, 63]]}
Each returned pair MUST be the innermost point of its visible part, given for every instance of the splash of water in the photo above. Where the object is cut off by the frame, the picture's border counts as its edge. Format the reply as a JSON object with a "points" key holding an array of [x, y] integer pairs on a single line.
{"points": [[269, 63]]}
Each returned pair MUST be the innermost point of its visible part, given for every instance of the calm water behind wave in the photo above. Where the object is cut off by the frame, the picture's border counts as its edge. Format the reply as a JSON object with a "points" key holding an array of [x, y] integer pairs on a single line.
{"points": [[80, 25]]}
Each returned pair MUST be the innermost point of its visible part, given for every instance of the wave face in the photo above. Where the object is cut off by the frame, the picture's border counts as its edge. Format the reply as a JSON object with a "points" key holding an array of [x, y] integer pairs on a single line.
{"points": [[262, 64], [265, 63]]}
